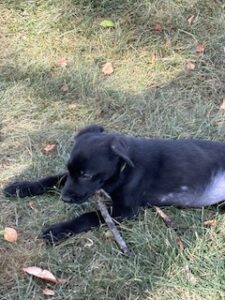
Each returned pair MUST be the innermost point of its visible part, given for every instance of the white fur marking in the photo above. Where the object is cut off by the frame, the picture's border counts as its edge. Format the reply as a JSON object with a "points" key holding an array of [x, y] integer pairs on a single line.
{"points": [[215, 191], [184, 188]]}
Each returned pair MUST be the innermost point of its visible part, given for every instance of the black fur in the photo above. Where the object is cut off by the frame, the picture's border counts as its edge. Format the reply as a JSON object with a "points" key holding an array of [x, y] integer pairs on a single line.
{"points": [[135, 172]]}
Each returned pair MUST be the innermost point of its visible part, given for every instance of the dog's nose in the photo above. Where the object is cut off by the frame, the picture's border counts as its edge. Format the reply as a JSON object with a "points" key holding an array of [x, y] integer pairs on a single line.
{"points": [[66, 199]]}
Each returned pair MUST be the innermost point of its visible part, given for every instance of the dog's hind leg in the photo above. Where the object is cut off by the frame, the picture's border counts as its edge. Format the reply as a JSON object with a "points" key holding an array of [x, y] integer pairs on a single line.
{"points": [[31, 188]]}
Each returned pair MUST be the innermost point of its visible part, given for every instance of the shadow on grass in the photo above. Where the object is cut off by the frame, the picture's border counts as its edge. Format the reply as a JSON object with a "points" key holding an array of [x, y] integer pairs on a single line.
{"points": [[166, 111]]}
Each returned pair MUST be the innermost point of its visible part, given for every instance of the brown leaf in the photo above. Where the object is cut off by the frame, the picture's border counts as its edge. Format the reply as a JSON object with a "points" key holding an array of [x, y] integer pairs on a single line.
{"points": [[65, 88], [43, 274], [190, 277], [10, 234], [190, 66], [107, 69], [32, 205], [49, 148], [158, 27], [190, 19], [222, 106], [210, 223], [108, 235], [63, 62], [89, 243], [180, 243], [200, 48], [48, 292]]}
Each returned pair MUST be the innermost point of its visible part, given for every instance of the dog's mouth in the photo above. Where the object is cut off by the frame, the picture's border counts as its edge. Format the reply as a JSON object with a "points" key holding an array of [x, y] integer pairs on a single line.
{"points": [[76, 198]]}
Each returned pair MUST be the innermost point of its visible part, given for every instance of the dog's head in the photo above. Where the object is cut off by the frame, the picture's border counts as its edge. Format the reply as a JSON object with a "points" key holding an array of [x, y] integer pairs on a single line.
{"points": [[94, 160]]}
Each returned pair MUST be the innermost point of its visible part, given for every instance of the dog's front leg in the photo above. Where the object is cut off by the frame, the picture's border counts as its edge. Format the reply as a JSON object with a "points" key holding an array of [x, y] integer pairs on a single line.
{"points": [[85, 222], [80, 224], [31, 188]]}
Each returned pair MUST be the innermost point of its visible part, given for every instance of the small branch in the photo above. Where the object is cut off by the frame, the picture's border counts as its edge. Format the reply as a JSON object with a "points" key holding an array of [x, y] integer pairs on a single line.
{"points": [[109, 221], [166, 219], [169, 223]]}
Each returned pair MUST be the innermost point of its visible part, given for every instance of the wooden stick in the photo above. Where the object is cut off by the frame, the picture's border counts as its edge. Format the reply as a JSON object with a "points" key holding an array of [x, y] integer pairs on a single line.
{"points": [[109, 221], [169, 223], [167, 220]]}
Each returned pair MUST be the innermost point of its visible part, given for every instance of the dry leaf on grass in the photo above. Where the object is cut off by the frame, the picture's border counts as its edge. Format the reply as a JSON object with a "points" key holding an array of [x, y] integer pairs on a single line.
{"points": [[222, 106], [180, 243], [108, 235], [200, 48], [107, 23], [89, 243], [190, 19], [158, 27], [65, 88], [43, 274], [63, 62], [190, 277], [49, 148], [32, 205], [9, 234], [48, 292], [107, 69], [210, 223], [190, 66]]}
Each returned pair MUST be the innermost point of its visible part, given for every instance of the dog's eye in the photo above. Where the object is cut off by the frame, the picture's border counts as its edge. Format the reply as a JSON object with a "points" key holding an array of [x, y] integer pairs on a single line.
{"points": [[84, 175]]}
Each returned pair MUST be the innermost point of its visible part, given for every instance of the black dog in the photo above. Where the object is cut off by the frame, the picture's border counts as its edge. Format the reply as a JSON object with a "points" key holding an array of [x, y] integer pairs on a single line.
{"points": [[135, 172]]}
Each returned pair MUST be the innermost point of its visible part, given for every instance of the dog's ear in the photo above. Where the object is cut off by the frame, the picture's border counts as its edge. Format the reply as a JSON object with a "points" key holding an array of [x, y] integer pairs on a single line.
{"points": [[120, 147], [89, 129]]}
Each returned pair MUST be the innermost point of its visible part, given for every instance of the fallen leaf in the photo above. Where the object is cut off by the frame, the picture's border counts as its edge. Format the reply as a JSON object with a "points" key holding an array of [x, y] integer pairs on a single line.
{"points": [[222, 106], [180, 243], [63, 62], [32, 205], [200, 48], [190, 66], [89, 243], [190, 277], [48, 148], [210, 223], [153, 58], [107, 23], [108, 235], [10, 234], [48, 292], [43, 274], [65, 88], [190, 19], [107, 69], [158, 27]]}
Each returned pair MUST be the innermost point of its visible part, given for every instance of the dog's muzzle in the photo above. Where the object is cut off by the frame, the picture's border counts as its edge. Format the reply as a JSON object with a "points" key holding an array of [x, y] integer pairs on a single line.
{"points": [[75, 198]]}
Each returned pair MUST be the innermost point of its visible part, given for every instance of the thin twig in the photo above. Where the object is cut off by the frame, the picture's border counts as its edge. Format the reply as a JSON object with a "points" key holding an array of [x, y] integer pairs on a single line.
{"points": [[166, 219], [109, 221], [170, 223]]}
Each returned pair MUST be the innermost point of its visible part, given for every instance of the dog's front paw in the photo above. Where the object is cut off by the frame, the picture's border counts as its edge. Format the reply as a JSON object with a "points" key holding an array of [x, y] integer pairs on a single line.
{"points": [[54, 233], [22, 189]]}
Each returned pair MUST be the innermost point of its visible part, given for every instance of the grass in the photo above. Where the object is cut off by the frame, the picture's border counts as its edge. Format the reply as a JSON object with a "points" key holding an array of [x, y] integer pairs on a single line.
{"points": [[150, 93]]}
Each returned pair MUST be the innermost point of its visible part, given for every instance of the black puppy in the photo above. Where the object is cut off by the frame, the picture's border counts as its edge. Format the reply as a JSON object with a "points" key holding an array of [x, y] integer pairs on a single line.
{"points": [[135, 172]]}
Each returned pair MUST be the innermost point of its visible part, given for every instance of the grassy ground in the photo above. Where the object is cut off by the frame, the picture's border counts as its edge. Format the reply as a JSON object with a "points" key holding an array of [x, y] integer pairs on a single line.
{"points": [[46, 44]]}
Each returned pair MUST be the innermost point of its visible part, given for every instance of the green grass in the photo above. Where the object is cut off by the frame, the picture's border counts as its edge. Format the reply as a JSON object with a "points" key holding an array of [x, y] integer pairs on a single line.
{"points": [[150, 93]]}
